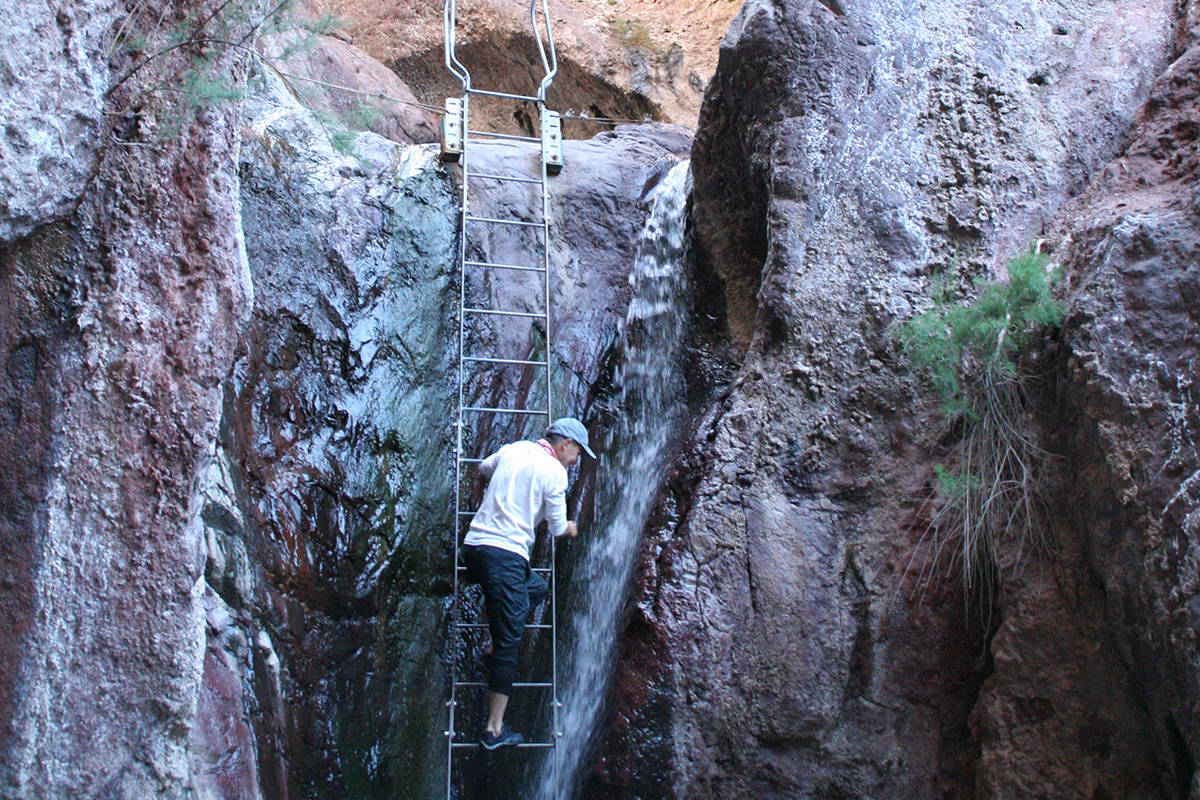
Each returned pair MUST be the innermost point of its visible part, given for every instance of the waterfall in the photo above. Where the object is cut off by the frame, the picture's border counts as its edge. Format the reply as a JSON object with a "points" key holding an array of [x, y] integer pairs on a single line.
{"points": [[648, 413]]}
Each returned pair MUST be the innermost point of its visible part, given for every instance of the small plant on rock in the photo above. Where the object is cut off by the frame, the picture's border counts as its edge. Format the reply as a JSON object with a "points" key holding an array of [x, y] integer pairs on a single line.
{"points": [[633, 34], [972, 352]]}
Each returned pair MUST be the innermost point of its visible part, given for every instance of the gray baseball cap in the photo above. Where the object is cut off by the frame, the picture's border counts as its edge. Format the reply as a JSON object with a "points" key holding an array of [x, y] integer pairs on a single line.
{"points": [[572, 429]]}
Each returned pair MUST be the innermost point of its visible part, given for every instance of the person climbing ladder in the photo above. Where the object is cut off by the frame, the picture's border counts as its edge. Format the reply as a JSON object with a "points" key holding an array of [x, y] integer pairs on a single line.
{"points": [[527, 484]]}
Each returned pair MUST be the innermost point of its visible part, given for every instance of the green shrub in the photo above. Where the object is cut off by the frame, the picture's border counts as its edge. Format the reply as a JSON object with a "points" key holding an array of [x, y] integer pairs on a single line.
{"points": [[971, 351], [956, 340]]}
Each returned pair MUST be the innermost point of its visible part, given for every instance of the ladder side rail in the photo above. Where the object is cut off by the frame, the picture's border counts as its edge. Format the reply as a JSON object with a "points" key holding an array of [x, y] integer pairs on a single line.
{"points": [[555, 733], [458, 440], [460, 71]]}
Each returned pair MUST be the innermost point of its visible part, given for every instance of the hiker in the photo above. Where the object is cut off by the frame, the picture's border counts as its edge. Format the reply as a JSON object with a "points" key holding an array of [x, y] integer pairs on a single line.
{"points": [[528, 484]]}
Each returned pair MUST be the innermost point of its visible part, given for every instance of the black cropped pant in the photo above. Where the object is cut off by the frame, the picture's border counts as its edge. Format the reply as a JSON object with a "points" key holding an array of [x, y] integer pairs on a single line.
{"points": [[511, 590]]}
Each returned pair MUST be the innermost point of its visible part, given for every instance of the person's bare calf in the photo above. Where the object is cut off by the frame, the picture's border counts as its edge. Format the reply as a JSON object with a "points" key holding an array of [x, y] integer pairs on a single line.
{"points": [[497, 703]]}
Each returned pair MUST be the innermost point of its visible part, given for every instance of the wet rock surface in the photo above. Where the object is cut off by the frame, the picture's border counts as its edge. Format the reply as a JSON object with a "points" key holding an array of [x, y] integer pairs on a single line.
{"points": [[321, 533], [782, 632], [329, 507]]}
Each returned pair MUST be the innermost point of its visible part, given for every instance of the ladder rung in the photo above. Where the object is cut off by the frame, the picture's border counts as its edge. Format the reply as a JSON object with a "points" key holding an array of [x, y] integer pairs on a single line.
{"points": [[522, 746], [471, 460], [509, 136], [490, 265], [477, 684], [537, 626], [486, 409], [526, 223], [490, 360], [524, 97], [513, 178], [501, 313], [461, 568]]}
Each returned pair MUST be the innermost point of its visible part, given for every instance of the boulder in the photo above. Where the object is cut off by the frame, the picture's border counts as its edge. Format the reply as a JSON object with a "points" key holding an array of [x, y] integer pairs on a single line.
{"points": [[335, 78], [789, 641]]}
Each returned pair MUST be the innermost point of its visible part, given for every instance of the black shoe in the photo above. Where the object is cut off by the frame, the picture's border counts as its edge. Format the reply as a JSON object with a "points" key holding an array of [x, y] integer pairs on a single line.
{"points": [[506, 738]]}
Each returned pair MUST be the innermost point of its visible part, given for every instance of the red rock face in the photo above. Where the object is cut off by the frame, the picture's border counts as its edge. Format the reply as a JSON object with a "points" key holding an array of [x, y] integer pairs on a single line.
{"points": [[32, 336], [119, 325], [225, 739]]}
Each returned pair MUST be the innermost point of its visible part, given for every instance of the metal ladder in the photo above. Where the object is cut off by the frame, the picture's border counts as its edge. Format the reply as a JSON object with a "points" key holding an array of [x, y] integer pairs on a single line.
{"points": [[456, 140]]}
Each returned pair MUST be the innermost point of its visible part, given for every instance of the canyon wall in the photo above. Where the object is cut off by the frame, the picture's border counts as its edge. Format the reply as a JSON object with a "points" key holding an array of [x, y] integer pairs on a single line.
{"points": [[328, 510], [124, 289], [1124, 416], [229, 338], [782, 641]]}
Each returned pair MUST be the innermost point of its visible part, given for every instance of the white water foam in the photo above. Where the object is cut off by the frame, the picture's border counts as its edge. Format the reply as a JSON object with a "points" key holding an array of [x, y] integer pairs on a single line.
{"points": [[649, 415]]}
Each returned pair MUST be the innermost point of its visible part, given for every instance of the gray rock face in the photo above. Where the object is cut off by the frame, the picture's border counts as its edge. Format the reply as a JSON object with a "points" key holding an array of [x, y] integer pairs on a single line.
{"points": [[965, 126], [844, 153], [1126, 404], [53, 76]]}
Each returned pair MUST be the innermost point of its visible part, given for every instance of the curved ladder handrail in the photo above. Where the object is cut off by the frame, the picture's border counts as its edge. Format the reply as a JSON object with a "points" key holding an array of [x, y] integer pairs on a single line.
{"points": [[550, 67], [455, 66], [460, 71]]}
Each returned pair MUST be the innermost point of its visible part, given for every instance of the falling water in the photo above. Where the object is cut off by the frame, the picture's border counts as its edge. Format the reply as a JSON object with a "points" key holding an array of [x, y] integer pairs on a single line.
{"points": [[648, 415]]}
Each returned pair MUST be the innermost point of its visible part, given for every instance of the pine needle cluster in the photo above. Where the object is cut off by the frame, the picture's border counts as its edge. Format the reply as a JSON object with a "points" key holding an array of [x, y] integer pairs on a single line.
{"points": [[972, 351], [197, 60]]}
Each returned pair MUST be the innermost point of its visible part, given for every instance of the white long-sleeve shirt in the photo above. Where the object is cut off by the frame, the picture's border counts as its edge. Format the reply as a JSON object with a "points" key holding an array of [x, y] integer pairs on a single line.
{"points": [[527, 485]]}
